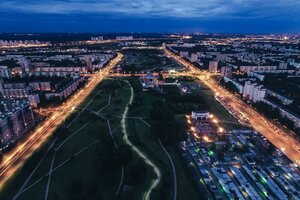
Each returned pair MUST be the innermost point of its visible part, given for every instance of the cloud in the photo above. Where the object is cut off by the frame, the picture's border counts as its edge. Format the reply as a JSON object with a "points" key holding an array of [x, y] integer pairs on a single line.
{"points": [[204, 9]]}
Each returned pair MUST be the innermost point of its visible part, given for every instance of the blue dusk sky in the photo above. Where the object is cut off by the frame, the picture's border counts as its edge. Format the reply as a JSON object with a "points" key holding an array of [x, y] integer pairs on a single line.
{"points": [[208, 16]]}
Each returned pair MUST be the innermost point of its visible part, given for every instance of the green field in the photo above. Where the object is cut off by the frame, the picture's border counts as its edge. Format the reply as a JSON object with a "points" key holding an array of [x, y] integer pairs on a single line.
{"points": [[213, 106], [86, 166], [142, 137], [146, 59]]}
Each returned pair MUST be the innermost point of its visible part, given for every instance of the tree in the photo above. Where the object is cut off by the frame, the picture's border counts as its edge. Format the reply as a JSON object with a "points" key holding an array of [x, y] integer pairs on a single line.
{"points": [[55, 196], [136, 173], [92, 188], [125, 154], [171, 132], [75, 187], [287, 122], [159, 111], [271, 148], [164, 125], [62, 132], [229, 85]]}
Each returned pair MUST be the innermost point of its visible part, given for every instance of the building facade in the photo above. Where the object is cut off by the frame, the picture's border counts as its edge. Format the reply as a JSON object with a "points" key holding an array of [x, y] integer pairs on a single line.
{"points": [[226, 72], [16, 119], [254, 92], [213, 66]]}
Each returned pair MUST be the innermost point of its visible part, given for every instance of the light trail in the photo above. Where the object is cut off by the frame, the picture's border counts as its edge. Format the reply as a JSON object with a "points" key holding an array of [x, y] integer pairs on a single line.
{"points": [[266, 127], [13, 160]]}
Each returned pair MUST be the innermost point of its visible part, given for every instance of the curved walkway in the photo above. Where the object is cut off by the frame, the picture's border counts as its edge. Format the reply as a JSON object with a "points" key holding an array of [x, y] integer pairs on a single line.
{"points": [[173, 169], [138, 151]]}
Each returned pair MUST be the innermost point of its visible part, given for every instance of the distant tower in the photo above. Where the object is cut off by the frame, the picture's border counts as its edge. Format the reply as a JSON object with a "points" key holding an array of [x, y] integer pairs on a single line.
{"points": [[25, 64], [89, 64]]}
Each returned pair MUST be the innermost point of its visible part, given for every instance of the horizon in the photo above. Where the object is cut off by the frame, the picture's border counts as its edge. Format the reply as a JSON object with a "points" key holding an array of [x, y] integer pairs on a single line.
{"points": [[136, 33], [236, 16], [149, 100]]}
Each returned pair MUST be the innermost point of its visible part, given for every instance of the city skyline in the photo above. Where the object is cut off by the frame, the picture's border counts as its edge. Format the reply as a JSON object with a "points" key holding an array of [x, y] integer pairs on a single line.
{"points": [[149, 116], [150, 100]]}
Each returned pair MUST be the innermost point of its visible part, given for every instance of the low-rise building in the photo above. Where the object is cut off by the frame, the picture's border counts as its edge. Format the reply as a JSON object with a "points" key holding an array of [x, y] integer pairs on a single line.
{"points": [[188, 45], [5, 72], [150, 81], [57, 71], [284, 100], [283, 65], [184, 54], [124, 37], [14, 90], [97, 38], [40, 85], [237, 84], [285, 113], [201, 115], [66, 91], [255, 68]]}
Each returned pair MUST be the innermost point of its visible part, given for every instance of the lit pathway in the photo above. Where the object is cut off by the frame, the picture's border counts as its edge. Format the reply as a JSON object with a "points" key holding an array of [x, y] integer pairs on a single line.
{"points": [[83, 109], [108, 104], [16, 158], [138, 151], [49, 176], [60, 165], [173, 169], [20, 191], [99, 114]]}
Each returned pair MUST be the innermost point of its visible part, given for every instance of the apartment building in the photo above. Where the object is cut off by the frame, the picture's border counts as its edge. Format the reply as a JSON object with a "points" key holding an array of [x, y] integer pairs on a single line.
{"points": [[16, 119]]}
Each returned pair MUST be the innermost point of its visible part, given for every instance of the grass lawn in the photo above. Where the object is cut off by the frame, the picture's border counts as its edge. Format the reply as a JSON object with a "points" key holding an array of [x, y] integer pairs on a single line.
{"points": [[186, 184], [74, 179], [214, 107], [141, 136], [147, 59]]}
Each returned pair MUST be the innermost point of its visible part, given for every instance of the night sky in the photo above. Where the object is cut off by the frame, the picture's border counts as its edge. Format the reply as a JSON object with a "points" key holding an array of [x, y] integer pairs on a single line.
{"points": [[208, 16]]}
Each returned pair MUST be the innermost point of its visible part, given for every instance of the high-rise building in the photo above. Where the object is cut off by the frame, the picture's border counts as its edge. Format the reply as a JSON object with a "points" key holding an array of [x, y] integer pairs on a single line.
{"points": [[16, 119], [89, 63], [226, 71], [194, 57], [254, 92], [25, 63], [213, 66]]}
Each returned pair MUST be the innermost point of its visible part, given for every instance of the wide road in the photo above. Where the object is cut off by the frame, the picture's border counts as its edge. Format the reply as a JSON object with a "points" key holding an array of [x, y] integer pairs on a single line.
{"points": [[13, 160], [281, 139]]}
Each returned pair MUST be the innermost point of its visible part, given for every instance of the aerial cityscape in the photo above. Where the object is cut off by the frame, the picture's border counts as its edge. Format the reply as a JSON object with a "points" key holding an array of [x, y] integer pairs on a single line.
{"points": [[196, 102]]}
